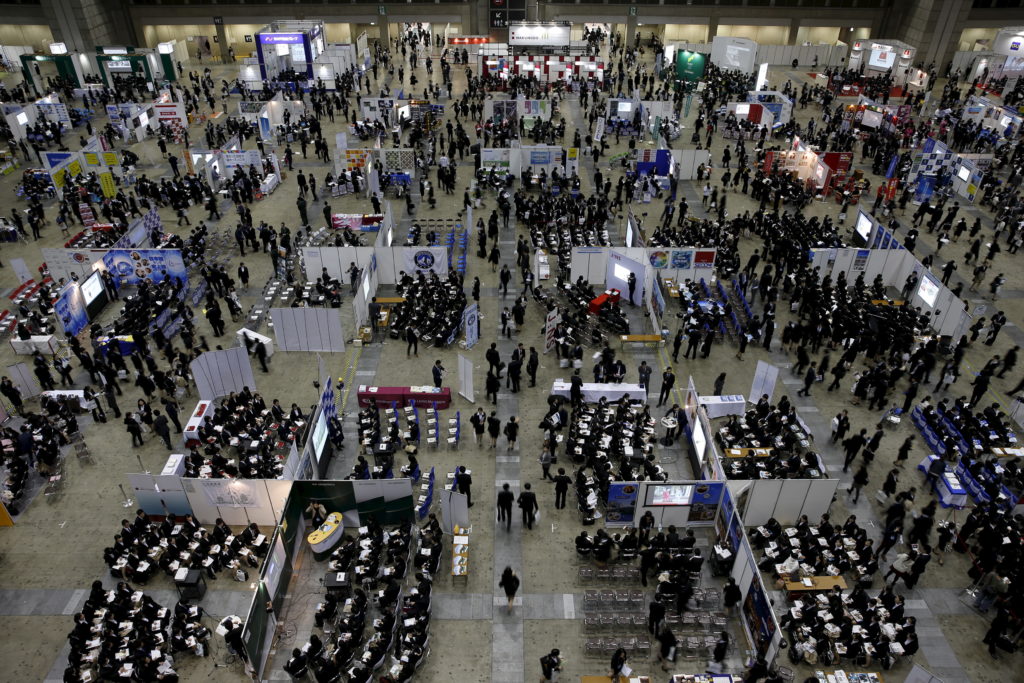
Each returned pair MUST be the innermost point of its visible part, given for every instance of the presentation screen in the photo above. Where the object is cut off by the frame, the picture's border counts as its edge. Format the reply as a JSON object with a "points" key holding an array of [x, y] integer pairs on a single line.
{"points": [[92, 287], [928, 290], [700, 442], [964, 173], [621, 272], [864, 225], [669, 495], [882, 59], [871, 118], [319, 436]]}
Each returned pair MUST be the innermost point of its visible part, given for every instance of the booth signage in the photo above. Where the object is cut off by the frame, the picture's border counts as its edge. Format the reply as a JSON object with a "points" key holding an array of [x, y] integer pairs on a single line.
{"points": [[280, 38], [546, 35]]}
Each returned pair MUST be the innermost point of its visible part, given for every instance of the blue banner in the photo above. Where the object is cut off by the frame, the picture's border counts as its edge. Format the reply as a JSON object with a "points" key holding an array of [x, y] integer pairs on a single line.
{"points": [[134, 266], [70, 309], [925, 188]]}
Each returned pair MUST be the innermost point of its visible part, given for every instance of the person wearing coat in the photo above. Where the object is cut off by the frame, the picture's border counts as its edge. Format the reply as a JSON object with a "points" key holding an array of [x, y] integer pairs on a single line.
{"points": [[510, 582]]}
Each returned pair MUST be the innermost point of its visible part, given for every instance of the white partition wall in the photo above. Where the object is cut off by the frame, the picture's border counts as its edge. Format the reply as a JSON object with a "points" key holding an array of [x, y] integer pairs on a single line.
{"points": [[390, 261], [784, 499], [308, 329], [218, 373]]}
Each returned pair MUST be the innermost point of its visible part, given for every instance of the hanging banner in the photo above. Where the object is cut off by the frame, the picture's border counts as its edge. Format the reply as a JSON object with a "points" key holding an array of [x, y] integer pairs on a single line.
{"points": [[621, 507], [107, 184], [426, 259], [135, 266], [466, 378], [471, 323], [550, 328]]}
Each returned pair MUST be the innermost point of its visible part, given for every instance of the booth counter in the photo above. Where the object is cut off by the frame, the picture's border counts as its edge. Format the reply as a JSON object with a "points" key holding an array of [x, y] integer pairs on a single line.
{"points": [[720, 406], [257, 338], [948, 487], [422, 395]]}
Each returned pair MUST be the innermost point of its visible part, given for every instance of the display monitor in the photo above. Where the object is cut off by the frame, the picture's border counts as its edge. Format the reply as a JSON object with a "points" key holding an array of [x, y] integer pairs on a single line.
{"points": [[22, 118], [319, 436], [882, 59], [667, 495], [964, 173], [700, 442], [871, 118], [742, 109], [928, 290], [92, 287], [864, 225]]}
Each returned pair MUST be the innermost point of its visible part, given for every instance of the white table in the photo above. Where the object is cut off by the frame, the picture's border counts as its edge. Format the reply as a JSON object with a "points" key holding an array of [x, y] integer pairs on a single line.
{"points": [[256, 337], [720, 406], [175, 466], [593, 392], [269, 183], [44, 344], [198, 419]]}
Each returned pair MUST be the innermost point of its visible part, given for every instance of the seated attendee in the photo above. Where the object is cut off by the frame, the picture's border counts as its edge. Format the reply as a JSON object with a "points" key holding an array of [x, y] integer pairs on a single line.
{"points": [[297, 666]]}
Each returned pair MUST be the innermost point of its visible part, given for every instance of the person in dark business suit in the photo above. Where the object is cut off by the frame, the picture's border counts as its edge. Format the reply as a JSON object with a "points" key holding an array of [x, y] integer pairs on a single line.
{"points": [[438, 373], [668, 380], [528, 504], [505, 500], [463, 481], [297, 666], [562, 483]]}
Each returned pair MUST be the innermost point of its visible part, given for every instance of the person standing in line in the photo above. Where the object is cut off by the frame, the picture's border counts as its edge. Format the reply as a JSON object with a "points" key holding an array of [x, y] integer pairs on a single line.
{"points": [[562, 483], [528, 504], [510, 582], [505, 500]]}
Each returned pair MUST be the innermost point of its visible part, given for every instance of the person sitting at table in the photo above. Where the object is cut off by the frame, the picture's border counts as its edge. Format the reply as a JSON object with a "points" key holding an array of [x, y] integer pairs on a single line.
{"points": [[296, 413], [315, 648]]}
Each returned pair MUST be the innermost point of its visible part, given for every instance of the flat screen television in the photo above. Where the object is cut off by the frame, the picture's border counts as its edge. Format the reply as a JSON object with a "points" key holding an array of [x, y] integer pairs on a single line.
{"points": [[669, 495]]}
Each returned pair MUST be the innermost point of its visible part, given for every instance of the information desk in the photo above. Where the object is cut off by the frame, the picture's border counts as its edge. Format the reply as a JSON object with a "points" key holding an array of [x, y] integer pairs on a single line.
{"points": [[45, 344], [720, 406], [460, 553], [267, 342], [198, 418], [948, 487], [74, 396], [323, 539], [818, 584], [592, 392], [610, 296], [425, 396]]}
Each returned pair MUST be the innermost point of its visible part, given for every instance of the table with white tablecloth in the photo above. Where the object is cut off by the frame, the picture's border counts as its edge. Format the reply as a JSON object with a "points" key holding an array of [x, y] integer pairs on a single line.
{"points": [[255, 337], [198, 418], [720, 406], [593, 392]]}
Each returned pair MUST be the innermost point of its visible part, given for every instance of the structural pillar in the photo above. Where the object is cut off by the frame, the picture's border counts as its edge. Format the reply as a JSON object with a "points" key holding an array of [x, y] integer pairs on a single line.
{"points": [[631, 26], [222, 39], [794, 31], [84, 24]]}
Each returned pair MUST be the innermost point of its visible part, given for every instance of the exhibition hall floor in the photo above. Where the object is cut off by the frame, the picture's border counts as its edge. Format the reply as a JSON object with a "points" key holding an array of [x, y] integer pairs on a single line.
{"points": [[49, 559]]}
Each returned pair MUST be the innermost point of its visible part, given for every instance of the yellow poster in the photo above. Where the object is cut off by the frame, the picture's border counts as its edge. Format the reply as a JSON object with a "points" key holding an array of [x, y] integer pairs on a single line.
{"points": [[110, 158], [92, 159], [108, 185], [75, 168], [58, 178]]}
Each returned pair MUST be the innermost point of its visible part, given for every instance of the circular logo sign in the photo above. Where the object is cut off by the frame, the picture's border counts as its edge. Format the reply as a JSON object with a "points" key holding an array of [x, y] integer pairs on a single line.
{"points": [[424, 260]]}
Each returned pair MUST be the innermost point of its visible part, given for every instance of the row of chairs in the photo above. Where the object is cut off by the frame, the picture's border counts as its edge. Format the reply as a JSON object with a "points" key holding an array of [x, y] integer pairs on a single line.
{"points": [[607, 600], [604, 647], [620, 573]]}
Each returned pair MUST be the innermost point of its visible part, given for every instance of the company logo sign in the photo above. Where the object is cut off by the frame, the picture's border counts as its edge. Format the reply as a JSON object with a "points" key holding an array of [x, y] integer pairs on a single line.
{"points": [[280, 38], [424, 260]]}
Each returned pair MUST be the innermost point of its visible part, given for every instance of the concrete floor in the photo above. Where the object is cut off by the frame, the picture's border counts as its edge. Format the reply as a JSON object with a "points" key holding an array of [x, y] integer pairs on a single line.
{"points": [[54, 551]]}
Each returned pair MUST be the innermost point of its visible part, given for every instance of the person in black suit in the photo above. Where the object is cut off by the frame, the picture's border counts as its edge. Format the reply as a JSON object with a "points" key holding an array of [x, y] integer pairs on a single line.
{"points": [[528, 504], [505, 500], [463, 481], [668, 380], [298, 665], [438, 372], [562, 483]]}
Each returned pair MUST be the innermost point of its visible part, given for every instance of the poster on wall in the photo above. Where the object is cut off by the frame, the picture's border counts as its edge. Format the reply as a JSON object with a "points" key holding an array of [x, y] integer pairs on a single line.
{"points": [[860, 261], [236, 493], [70, 309], [682, 259], [704, 505], [421, 260], [759, 616], [659, 258], [704, 258], [621, 506], [135, 266]]}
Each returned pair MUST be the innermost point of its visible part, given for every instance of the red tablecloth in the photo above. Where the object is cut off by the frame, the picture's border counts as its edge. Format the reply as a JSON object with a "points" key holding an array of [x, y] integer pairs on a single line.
{"points": [[385, 396], [611, 296]]}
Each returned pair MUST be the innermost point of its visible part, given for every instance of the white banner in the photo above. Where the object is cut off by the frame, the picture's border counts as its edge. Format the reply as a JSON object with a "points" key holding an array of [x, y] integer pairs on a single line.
{"points": [[471, 325], [539, 34], [550, 325], [235, 493], [466, 378], [425, 259], [764, 381]]}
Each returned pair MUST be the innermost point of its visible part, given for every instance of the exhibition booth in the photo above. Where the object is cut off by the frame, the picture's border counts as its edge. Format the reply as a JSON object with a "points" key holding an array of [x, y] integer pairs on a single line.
{"points": [[70, 66], [805, 164], [690, 58], [144, 63], [287, 49], [779, 105], [880, 56]]}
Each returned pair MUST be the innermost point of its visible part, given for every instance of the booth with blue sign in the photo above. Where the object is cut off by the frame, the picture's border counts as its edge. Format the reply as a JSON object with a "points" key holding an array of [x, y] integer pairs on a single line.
{"points": [[289, 47]]}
